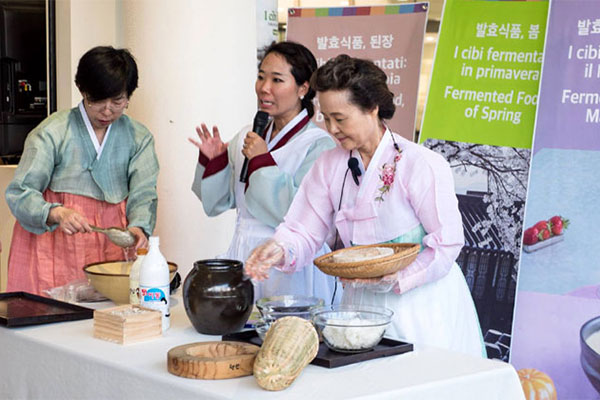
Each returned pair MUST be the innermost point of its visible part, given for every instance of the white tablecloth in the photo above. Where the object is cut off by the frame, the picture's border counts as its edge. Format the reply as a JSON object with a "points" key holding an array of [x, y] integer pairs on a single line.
{"points": [[63, 361]]}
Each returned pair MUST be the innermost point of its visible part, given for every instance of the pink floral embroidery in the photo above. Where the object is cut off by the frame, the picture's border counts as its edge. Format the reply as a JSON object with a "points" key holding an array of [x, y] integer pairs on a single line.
{"points": [[388, 172]]}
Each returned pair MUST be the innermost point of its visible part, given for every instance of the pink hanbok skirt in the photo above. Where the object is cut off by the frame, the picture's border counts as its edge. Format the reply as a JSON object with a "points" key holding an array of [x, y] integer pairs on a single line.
{"points": [[41, 262]]}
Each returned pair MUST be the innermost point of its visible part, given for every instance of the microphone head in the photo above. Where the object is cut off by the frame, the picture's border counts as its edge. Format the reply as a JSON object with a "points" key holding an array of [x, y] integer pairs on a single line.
{"points": [[353, 164], [354, 168], [262, 116], [261, 119]]}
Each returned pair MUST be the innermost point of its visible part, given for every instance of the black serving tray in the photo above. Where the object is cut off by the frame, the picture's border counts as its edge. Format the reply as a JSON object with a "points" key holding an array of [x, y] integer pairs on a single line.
{"points": [[332, 359], [22, 309]]}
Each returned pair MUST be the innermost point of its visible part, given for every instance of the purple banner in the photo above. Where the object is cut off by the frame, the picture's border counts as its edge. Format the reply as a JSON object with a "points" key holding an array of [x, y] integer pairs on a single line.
{"points": [[569, 103], [559, 274]]}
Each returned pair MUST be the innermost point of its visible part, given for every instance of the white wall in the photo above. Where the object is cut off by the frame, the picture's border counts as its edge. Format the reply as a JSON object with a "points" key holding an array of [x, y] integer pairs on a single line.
{"points": [[197, 62], [80, 25]]}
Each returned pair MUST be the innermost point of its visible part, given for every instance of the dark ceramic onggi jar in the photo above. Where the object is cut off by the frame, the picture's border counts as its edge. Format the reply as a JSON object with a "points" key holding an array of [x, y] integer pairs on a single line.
{"points": [[217, 297]]}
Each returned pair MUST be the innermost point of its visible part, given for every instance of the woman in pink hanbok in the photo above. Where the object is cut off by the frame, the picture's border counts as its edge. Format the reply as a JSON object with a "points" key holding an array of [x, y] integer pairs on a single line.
{"points": [[396, 191]]}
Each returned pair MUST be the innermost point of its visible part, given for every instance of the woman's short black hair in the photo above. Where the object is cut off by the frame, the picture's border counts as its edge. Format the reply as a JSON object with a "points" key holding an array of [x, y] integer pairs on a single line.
{"points": [[303, 65], [105, 72], [365, 81]]}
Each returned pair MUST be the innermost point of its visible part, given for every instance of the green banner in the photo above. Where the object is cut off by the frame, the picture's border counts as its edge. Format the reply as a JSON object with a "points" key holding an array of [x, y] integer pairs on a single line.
{"points": [[486, 73]]}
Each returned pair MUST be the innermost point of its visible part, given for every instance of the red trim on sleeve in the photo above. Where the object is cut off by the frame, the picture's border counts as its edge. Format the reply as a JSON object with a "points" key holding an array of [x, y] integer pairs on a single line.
{"points": [[202, 159], [263, 160], [216, 164]]}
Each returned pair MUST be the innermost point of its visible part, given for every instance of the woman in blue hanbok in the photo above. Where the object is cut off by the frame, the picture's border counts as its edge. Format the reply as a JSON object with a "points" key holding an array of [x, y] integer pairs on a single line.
{"points": [[277, 165]]}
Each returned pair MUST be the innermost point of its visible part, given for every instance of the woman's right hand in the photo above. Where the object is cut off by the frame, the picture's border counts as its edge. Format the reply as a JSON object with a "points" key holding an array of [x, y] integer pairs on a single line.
{"points": [[210, 145], [68, 220], [268, 255]]}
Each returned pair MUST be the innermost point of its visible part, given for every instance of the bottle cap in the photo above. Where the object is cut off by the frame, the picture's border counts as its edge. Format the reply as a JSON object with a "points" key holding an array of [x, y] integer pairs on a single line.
{"points": [[141, 251]]}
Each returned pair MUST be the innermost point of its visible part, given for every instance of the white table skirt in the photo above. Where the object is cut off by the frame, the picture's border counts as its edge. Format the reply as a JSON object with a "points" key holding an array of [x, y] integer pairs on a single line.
{"points": [[64, 361]]}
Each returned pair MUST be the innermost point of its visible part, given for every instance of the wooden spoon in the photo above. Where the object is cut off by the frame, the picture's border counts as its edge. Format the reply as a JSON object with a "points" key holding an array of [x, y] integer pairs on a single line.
{"points": [[119, 236]]}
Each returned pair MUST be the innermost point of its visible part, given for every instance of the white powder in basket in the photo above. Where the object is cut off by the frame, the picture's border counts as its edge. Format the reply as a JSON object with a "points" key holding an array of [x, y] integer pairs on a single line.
{"points": [[354, 337], [362, 254]]}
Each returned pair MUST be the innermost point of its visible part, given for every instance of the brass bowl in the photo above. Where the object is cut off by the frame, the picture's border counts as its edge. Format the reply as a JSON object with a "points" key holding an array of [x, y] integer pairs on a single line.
{"points": [[111, 279]]}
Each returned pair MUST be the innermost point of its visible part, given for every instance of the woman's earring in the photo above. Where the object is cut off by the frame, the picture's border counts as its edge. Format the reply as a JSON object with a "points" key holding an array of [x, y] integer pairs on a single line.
{"points": [[302, 97]]}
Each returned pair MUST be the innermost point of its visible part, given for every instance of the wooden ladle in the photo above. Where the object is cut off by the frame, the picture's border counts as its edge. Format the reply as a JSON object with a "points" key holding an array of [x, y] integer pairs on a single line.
{"points": [[119, 236]]}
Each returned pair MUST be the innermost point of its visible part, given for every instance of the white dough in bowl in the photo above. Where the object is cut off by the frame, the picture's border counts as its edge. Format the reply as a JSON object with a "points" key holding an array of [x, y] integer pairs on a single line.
{"points": [[356, 336], [362, 254]]}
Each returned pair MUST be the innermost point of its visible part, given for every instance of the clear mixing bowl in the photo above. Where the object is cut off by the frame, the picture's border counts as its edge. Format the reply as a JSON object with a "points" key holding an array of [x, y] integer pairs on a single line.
{"points": [[275, 307], [351, 329]]}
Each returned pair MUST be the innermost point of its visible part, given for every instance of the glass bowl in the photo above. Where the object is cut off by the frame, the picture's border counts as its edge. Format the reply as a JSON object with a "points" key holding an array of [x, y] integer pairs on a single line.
{"points": [[275, 307], [351, 328], [589, 339]]}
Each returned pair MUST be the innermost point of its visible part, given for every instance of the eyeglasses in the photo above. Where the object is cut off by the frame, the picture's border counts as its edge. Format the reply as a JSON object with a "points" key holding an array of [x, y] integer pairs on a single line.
{"points": [[114, 105]]}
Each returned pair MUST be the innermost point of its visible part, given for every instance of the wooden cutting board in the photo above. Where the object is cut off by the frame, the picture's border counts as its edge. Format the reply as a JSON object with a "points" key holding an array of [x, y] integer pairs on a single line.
{"points": [[212, 360]]}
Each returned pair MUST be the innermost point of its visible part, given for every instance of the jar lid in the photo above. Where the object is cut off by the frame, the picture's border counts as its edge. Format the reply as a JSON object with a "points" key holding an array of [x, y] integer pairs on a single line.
{"points": [[141, 251]]}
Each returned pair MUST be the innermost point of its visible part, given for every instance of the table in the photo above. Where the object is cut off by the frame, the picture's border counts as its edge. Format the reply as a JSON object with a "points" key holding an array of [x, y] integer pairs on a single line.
{"points": [[64, 361]]}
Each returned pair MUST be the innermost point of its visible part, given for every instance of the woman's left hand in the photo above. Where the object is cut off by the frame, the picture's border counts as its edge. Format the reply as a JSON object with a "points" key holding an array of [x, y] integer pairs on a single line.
{"points": [[141, 239], [382, 284], [254, 146]]}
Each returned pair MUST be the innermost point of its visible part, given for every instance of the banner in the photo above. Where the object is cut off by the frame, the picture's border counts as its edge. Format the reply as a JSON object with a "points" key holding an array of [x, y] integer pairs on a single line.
{"points": [[267, 30], [559, 277], [479, 115], [391, 36]]}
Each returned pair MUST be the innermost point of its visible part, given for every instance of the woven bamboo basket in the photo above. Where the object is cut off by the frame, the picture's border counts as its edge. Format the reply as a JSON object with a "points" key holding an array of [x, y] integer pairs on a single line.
{"points": [[404, 254]]}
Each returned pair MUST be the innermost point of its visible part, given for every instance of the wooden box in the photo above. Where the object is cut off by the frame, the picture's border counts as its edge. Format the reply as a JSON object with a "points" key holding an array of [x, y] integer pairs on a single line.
{"points": [[127, 324]]}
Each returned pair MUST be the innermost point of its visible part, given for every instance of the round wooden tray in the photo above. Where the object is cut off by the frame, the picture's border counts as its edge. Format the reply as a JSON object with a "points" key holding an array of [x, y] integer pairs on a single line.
{"points": [[404, 254], [212, 360]]}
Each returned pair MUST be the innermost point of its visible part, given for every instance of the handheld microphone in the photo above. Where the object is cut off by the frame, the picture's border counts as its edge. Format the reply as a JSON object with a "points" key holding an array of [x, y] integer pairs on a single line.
{"points": [[354, 168], [260, 123]]}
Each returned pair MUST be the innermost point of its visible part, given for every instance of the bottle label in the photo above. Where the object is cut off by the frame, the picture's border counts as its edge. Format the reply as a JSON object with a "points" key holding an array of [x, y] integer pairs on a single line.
{"points": [[157, 298], [153, 294]]}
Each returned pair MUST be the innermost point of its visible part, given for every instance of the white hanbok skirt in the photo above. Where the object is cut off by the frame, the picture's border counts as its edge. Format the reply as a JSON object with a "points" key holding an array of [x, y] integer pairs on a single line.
{"points": [[440, 313]]}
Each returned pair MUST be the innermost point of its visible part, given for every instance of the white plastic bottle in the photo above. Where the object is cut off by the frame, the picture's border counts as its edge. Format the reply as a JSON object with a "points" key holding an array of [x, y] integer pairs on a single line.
{"points": [[134, 277], [154, 282]]}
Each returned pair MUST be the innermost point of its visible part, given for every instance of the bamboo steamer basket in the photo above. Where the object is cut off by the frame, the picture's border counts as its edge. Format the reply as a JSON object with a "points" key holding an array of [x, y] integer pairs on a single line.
{"points": [[404, 255]]}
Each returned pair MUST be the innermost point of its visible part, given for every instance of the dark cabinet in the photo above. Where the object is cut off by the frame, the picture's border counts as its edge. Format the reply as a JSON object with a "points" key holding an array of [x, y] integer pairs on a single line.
{"points": [[27, 71]]}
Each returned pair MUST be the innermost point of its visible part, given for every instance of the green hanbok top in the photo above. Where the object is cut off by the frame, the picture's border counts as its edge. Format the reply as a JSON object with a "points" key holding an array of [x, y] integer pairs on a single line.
{"points": [[59, 155]]}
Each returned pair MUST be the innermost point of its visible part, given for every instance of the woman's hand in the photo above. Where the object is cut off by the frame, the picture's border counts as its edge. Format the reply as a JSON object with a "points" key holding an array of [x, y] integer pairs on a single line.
{"points": [[141, 239], [264, 257], [254, 146], [382, 284], [68, 220], [210, 145]]}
